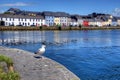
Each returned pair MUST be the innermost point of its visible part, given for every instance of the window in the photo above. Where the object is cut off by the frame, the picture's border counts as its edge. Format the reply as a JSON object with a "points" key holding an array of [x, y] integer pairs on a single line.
{"points": [[28, 24], [25, 24], [10, 19], [6, 23], [38, 20], [19, 23], [12, 23]]}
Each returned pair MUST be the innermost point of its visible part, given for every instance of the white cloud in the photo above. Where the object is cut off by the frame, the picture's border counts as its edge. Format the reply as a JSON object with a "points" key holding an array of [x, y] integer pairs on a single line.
{"points": [[15, 4], [116, 12]]}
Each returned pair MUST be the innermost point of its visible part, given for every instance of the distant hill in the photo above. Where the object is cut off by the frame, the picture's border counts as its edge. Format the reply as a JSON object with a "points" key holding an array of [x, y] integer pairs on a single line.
{"points": [[21, 12]]}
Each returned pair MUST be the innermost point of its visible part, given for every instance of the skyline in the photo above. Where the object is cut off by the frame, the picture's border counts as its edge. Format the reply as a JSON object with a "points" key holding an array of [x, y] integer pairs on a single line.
{"points": [[81, 7]]}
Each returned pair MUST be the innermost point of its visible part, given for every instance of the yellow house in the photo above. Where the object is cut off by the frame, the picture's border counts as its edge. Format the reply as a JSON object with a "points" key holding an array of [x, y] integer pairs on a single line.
{"points": [[106, 20], [57, 20], [105, 23]]}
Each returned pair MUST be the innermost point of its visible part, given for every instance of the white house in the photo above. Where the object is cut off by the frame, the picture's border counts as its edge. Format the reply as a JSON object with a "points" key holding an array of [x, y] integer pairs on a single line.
{"points": [[73, 22], [21, 20], [118, 21]]}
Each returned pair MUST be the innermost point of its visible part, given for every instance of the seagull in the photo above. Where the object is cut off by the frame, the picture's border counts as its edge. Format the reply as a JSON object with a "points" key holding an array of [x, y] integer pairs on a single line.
{"points": [[40, 51]]}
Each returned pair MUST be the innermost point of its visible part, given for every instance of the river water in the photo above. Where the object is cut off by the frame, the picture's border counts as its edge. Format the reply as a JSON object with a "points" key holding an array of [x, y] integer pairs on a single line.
{"points": [[91, 55]]}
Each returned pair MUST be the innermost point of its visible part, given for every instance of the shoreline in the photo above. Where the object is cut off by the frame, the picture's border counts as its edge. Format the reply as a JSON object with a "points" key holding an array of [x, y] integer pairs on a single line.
{"points": [[30, 68], [11, 28]]}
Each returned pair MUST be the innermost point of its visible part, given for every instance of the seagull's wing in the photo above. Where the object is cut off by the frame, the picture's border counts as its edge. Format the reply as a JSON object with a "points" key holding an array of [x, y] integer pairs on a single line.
{"points": [[41, 51]]}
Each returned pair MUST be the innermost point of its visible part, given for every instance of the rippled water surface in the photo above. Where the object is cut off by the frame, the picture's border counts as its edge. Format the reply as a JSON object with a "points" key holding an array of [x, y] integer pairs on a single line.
{"points": [[91, 55]]}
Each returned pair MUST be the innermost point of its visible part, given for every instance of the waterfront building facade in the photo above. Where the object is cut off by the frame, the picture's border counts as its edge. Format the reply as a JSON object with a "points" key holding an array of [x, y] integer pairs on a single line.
{"points": [[74, 22], [49, 18], [114, 21], [78, 18], [63, 18], [118, 21], [92, 22], [56, 21], [56, 18], [17, 17], [21, 20], [68, 20]]}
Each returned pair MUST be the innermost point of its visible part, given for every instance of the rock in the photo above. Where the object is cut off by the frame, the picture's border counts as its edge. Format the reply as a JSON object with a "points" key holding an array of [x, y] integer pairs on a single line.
{"points": [[31, 68], [4, 66]]}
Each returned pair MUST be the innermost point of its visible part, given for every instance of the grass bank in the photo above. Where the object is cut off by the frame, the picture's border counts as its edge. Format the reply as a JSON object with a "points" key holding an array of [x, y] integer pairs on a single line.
{"points": [[17, 28]]}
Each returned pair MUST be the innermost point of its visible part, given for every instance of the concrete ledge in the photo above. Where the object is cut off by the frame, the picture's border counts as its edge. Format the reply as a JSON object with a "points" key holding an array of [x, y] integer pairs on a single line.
{"points": [[31, 68], [17, 28]]}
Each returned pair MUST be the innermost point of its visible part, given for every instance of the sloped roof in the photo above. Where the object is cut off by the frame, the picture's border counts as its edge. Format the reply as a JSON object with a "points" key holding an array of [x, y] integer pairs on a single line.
{"points": [[48, 13], [61, 14], [73, 20], [55, 14], [20, 16], [76, 17], [118, 18], [114, 19]]}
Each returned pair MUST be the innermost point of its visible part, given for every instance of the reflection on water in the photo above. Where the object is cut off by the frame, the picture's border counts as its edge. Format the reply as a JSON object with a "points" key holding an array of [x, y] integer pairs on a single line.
{"points": [[91, 55]]}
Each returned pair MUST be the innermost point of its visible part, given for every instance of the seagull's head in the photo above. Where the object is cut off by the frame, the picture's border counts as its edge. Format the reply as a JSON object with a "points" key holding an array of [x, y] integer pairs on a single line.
{"points": [[43, 45]]}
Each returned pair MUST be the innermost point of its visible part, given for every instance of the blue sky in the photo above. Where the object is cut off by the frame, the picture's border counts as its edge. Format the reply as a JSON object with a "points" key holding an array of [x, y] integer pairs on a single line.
{"points": [[82, 7]]}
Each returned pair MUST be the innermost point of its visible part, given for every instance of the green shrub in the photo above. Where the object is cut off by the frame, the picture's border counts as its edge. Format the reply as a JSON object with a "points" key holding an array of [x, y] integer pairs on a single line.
{"points": [[59, 28], [10, 75], [6, 59], [40, 27]]}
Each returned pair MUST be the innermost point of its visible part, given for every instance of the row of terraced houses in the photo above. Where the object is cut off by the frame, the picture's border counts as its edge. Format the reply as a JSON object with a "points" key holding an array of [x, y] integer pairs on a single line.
{"points": [[17, 17]]}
